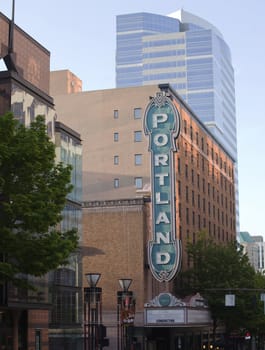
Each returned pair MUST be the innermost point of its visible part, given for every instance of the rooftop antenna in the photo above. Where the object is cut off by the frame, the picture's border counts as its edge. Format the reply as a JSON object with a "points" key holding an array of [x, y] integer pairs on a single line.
{"points": [[9, 58]]}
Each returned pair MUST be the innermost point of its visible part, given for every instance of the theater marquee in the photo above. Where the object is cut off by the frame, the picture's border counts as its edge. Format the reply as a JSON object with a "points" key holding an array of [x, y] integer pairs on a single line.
{"points": [[162, 124]]}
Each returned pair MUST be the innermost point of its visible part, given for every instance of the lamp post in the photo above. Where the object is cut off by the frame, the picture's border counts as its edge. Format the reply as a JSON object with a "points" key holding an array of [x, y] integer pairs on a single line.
{"points": [[92, 312], [125, 314]]}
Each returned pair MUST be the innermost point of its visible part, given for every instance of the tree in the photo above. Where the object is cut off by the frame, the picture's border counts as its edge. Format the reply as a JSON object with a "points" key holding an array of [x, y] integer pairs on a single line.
{"points": [[217, 270], [33, 190]]}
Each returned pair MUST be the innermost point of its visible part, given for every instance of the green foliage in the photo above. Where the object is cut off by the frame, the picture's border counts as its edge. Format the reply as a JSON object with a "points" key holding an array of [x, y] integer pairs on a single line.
{"points": [[33, 190], [218, 270]]}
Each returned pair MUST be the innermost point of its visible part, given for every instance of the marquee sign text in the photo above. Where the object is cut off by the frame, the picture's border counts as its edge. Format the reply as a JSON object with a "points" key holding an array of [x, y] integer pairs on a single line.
{"points": [[162, 125]]}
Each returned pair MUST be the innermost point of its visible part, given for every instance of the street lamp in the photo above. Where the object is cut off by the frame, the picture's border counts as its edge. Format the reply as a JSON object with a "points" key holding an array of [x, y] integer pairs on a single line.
{"points": [[125, 284], [92, 312], [125, 314]]}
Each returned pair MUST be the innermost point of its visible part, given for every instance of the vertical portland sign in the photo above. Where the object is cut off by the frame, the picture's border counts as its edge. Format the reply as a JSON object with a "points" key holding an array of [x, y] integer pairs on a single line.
{"points": [[162, 125]]}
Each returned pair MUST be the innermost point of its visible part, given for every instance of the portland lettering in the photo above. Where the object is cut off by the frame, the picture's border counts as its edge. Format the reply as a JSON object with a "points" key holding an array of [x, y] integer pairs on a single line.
{"points": [[162, 125]]}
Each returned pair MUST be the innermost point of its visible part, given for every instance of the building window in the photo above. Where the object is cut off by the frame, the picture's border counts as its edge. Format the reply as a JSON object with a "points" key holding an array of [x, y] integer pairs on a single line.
{"points": [[187, 194], [116, 137], [37, 339], [138, 158], [179, 165], [49, 129], [137, 136], [198, 181], [116, 160], [185, 126], [116, 114], [187, 216], [116, 183], [186, 171], [191, 133], [138, 181], [137, 113], [179, 188], [202, 139], [203, 205]]}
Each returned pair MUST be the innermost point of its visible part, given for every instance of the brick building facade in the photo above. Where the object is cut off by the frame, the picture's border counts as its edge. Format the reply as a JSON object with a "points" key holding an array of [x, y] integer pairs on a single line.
{"points": [[117, 209]]}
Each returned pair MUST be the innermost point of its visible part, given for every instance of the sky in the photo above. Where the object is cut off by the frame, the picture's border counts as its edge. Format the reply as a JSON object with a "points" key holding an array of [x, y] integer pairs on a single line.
{"points": [[81, 37]]}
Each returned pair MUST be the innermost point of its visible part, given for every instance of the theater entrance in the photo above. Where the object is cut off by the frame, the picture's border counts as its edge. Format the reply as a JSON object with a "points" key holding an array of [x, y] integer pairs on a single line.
{"points": [[174, 339]]}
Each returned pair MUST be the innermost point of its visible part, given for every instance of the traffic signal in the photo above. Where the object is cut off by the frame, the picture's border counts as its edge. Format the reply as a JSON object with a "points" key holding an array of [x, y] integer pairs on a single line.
{"points": [[247, 335], [102, 331]]}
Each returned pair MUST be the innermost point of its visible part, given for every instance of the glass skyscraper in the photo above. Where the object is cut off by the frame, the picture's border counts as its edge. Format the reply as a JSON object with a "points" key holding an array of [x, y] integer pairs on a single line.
{"points": [[190, 54]]}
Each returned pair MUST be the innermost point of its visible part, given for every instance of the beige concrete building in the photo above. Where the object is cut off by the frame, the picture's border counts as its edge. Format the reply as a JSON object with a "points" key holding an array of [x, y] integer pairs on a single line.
{"points": [[64, 82], [111, 127]]}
